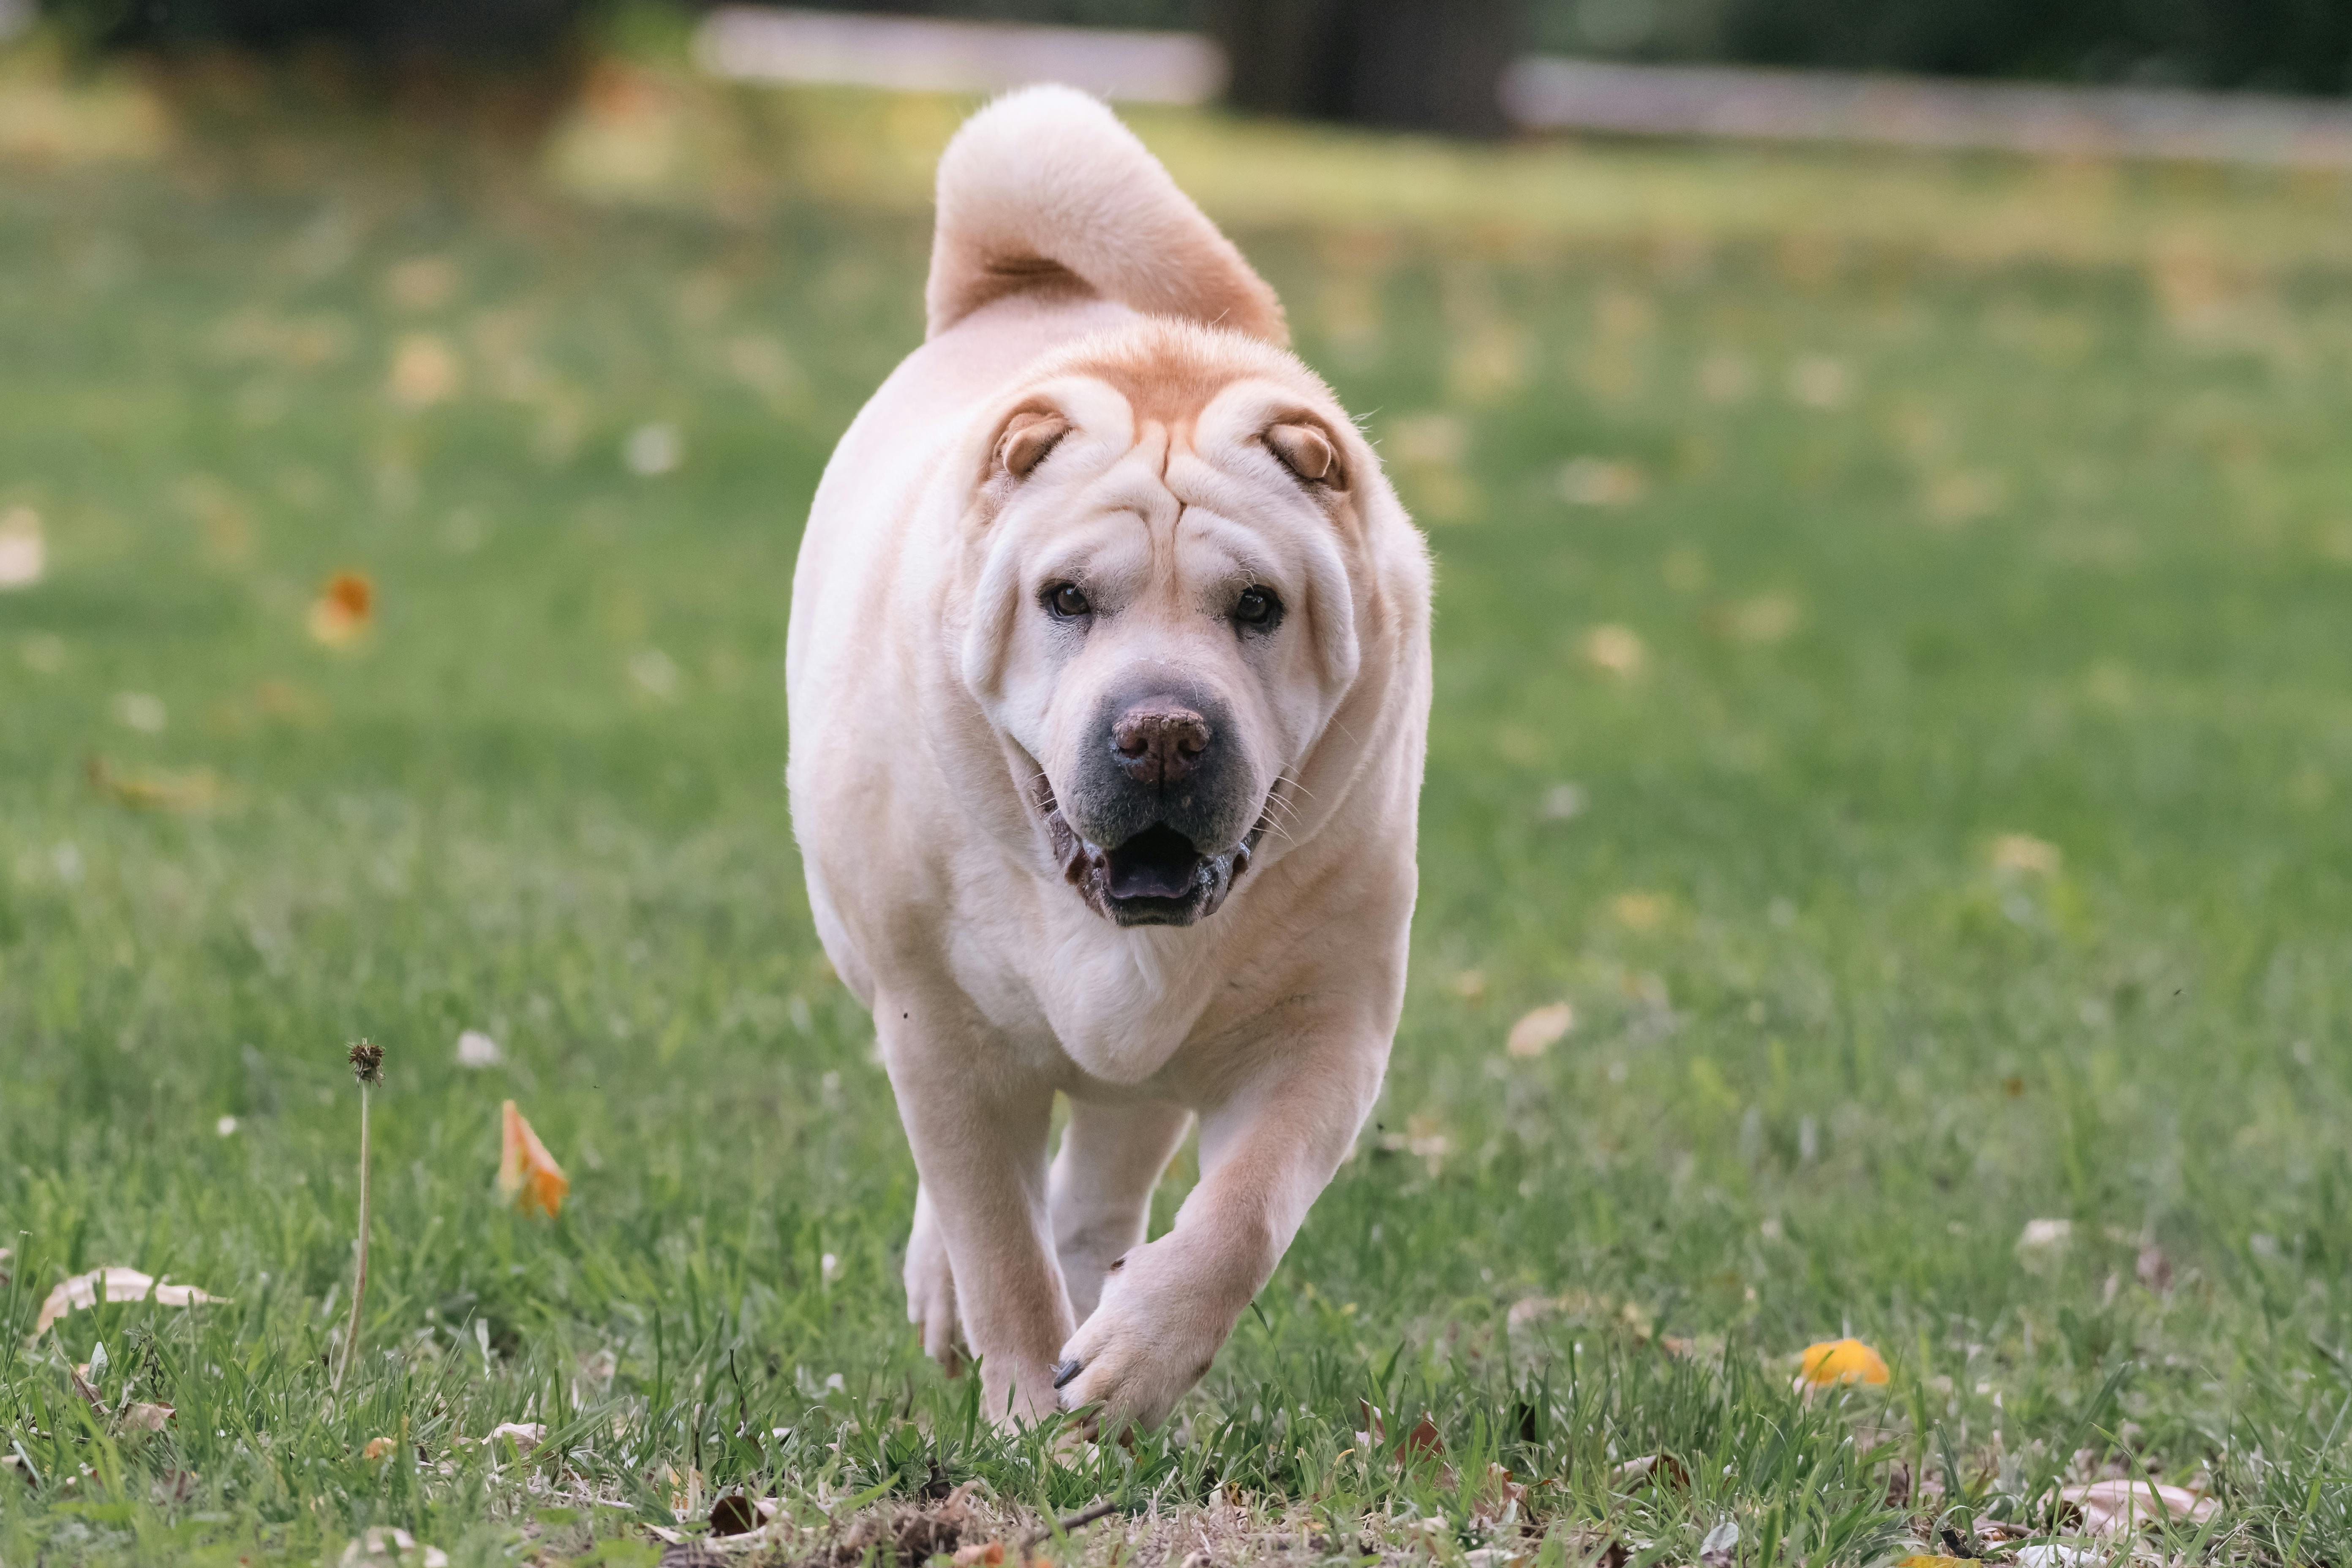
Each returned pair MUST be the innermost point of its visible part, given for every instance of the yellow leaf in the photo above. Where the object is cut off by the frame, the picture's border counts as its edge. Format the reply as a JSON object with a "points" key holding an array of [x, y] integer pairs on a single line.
{"points": [[1640, 911], [528, 1176], [1842, 1361], [196, 789]]}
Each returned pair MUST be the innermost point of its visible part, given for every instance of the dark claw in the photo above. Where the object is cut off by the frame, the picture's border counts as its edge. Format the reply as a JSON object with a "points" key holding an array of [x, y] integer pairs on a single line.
{"points": [[1067, 1370]]}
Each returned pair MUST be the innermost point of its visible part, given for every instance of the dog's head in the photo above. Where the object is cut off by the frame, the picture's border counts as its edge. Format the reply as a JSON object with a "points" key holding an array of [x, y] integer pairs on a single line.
{"points": [[1165, 552]]}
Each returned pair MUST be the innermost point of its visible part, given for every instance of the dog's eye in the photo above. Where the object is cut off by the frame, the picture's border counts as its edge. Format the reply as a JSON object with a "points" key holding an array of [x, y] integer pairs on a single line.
{"points": [[1258, 608], [1066, 601]]}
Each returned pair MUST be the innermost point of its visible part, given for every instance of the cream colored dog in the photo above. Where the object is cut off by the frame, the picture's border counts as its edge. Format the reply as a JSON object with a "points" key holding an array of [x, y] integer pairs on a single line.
{"points": [[1110, 684]]}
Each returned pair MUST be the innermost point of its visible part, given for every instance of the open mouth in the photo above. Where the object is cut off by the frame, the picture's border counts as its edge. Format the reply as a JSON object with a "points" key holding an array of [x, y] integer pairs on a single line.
{"points": [[1157, 863], [1155, 877]]}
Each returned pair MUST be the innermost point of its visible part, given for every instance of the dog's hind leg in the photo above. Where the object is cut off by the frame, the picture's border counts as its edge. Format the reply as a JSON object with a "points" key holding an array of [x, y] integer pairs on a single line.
{"points": [[1100, 1188], [930, 1288]]}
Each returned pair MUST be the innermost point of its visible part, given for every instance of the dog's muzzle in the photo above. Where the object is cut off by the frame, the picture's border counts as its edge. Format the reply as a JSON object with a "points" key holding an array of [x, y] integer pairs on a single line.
{"points": [[1165, 781]]}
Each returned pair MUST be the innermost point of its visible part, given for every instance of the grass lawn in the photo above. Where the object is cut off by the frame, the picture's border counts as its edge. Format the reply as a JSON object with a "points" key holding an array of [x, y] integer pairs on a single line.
{"points": [[1894, 686]]}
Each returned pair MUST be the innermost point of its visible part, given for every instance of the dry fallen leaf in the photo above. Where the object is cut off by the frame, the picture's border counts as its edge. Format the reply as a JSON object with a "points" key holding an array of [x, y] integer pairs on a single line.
{"points": [[733, 1514], [1641, 911], [1615, 649], [684, 1491], [989, 1554], [381, 1545], [2043, 1236], [476, 1049], [652, 450], [22, 557], [2024, 852], [1724, 376], [1600, 481], [141, 710], [1562, 803], [528, 1176], [1964, 496], [192, 789], [146, 1418], [1818, 380], [1765, 620], [1433, 439], [1840, 1361], [342, 613], [377, 1448], [1502, 1498], [2119, 1507], [425, 370], [1534, 1034], [82, 1291], [1659, 1470], [2051, 1555], [422, 282], [2153, 1268]]}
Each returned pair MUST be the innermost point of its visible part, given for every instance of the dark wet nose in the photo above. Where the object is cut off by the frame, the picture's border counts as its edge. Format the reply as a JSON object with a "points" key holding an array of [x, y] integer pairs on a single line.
{"points": [[1159, 741]]}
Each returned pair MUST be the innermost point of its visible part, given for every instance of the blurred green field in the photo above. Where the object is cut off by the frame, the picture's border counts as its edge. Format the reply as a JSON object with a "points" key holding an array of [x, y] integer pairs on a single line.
{"points": [[1894, 685]]}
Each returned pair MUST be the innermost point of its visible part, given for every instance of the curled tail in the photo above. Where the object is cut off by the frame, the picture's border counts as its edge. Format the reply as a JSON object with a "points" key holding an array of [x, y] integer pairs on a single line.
{"points": [[1046, 191]]}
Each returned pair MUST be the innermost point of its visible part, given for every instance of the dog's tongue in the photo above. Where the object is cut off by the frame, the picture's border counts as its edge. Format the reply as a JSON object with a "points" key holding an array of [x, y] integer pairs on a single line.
{"points": [[1157, 863]]}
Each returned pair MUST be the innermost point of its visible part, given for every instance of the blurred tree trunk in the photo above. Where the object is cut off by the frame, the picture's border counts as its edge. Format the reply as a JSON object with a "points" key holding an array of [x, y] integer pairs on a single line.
{"points": [[1414, 65]]}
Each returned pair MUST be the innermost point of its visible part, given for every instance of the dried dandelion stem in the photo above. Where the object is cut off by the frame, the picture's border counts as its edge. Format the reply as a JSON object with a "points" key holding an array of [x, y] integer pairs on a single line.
{"points": [[367, 1066]]}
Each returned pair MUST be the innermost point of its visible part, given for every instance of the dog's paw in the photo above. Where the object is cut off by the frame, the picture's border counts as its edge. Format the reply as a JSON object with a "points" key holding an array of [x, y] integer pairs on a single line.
{"points": [[1151, 1339], [930, 1292]]}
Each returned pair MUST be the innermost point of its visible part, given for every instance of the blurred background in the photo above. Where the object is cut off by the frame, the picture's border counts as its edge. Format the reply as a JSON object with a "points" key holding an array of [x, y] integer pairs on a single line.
{"points": [[1883, 855], [1423, 64], [1314, 47]]}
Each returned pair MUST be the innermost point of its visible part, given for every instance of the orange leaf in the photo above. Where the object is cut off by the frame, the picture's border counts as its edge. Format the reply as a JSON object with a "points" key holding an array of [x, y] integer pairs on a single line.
{"points": [[1841, 1361], [528, 1176], [343, 609]]}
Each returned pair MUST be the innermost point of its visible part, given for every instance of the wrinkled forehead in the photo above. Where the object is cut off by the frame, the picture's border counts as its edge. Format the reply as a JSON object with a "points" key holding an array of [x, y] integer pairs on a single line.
{"points": [[1198, 404], [1117, 410]]}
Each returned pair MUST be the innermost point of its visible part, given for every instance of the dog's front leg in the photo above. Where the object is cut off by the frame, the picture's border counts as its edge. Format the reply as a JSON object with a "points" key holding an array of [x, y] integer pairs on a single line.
{"points": [[978, 1128], [1101, 1182], [1266, 1151]]}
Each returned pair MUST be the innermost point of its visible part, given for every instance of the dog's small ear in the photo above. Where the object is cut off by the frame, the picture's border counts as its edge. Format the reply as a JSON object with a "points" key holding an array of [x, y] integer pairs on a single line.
{"points": [[1309, 452], [1028, 437]]}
